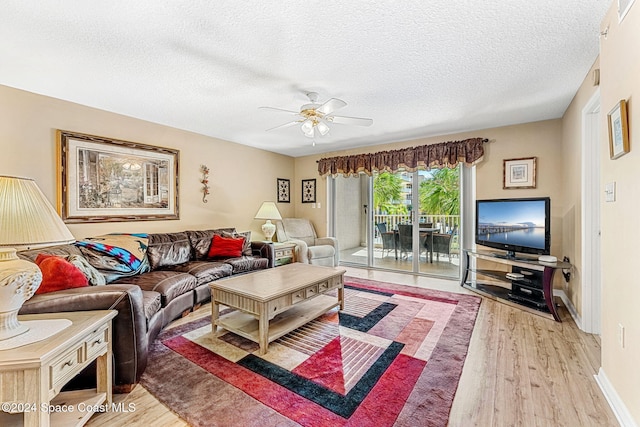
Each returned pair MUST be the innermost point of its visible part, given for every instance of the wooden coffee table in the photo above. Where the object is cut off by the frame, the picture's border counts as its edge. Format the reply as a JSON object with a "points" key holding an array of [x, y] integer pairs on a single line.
{"points": [[271, 303]]}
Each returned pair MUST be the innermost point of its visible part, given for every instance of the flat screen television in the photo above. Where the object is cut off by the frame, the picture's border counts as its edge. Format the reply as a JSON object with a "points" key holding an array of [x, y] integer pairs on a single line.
{"points": [[514, 225]]}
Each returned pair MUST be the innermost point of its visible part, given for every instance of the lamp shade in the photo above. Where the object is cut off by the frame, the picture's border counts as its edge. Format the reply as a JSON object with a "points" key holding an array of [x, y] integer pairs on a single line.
{"points": [[268, 210], [28, 219]]}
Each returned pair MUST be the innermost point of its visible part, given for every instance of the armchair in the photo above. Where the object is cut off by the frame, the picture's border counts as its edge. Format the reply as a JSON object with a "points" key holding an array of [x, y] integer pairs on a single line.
{"points": [[310, 248]]}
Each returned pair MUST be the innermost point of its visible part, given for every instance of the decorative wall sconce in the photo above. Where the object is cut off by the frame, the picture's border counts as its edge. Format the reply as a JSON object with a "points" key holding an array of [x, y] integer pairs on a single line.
{"points": [[205, 182]]}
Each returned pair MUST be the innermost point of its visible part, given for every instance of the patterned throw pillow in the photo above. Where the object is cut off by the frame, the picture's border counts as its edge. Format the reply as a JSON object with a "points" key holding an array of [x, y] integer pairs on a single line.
{"points": [[58, 274], [94, 277]]}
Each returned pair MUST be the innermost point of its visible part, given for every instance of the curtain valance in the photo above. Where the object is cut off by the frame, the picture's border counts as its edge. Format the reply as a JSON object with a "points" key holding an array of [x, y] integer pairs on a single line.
{"points": [[444, 154]]}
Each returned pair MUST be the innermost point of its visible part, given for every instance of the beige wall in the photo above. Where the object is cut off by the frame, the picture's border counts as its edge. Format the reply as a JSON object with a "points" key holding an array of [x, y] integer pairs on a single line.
{"points": [[620, 71], [241, 177]]}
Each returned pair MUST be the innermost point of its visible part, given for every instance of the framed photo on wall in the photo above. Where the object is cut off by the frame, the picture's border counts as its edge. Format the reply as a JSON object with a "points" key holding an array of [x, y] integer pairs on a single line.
{"points": [[618, 130], [107, 180], [308, 191], [519, 173], [284, 190]]}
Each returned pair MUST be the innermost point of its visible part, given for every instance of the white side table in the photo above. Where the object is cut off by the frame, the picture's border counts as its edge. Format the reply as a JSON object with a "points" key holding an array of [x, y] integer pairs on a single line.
{"points": [[32, 376]]}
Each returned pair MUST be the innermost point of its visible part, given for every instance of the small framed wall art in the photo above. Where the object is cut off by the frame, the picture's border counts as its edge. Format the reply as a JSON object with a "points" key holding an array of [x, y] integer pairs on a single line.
{"points": [[284, 190], [308, 191], [618, 130], [519, 173]]}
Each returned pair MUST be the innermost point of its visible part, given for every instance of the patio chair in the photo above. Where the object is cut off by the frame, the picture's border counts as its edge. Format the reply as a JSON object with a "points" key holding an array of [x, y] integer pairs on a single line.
{"points": [[442, 245], [405, 240], [388, 238]]}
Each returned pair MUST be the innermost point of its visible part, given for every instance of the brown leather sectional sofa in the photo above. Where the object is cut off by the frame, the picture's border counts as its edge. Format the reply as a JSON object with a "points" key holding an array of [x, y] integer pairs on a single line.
{"points": [[174, 282]]}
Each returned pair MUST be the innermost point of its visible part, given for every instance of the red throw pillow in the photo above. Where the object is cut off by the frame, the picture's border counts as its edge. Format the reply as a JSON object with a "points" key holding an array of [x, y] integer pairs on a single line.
{"points": [[229, 247], [59, 274]]}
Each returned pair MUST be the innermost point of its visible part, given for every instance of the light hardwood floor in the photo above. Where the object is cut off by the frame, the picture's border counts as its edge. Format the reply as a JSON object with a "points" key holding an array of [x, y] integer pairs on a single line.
{"points": [[521, 370]]}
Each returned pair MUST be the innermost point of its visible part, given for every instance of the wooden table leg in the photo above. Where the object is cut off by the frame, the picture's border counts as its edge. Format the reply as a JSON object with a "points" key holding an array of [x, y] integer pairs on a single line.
{"points": [[263, 331], [215, 313]]}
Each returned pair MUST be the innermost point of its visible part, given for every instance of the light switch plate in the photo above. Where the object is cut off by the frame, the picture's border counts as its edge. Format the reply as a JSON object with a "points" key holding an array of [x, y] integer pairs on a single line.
{"points": [[610, 192]]}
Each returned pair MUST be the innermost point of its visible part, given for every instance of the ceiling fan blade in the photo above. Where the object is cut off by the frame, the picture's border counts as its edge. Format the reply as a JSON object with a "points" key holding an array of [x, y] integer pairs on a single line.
{"points": [[279, 109], [286, 125], [344, 120], [330, 106]]}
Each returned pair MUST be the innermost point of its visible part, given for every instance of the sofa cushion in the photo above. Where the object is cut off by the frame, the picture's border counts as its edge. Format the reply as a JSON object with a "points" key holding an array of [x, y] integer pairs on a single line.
{"points": [[201, 241], [167, 249], [170, 284], [204, 271], [152, 303], [245, 264], [58, 274], [225, 247]]}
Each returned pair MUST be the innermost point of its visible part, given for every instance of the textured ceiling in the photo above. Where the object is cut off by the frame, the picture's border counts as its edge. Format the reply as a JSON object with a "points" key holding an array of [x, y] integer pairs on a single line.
{"points": [[416, 68]]}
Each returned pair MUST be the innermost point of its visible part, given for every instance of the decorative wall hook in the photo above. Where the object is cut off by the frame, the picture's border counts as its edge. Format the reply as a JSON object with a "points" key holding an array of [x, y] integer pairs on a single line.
{"points": [[205, 182]]}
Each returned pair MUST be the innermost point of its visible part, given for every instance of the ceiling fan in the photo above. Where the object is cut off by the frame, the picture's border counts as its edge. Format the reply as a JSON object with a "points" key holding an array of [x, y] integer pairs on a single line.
{"points": [[314, 118]]}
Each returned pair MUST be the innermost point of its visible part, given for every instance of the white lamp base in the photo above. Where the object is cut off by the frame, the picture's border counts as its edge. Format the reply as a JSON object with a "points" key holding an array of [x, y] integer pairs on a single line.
{"points": [[19, 280], [269, 230]]}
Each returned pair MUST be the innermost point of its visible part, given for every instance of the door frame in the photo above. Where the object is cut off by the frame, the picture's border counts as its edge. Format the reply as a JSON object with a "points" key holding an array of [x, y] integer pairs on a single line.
{"points": [[591, 283]]}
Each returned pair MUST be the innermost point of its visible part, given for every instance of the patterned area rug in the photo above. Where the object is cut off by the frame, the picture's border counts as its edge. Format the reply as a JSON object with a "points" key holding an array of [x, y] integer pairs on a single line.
{"points": [[393, 357]]}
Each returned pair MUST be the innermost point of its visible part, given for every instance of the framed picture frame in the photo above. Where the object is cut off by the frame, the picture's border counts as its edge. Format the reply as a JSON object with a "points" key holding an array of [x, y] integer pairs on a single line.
{"points": [[284, 190], [519, 173], [308, 191], [108, 180], [618, 130]]}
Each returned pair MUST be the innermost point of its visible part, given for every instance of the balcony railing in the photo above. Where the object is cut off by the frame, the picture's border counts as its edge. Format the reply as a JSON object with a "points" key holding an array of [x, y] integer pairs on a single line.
{"points": [[449, 224]]}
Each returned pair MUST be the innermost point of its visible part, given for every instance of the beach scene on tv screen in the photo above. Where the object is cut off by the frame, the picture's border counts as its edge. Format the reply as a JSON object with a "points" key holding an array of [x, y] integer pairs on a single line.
{"points": [[520, 223]]}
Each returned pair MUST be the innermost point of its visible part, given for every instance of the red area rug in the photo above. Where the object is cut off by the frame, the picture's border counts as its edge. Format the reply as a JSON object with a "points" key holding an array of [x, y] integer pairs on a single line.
{"points": [[393, 357]]}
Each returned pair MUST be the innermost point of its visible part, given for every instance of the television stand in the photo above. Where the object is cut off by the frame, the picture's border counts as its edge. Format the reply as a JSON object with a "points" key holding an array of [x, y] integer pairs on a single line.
{"points": [[530, 289], [512, 256]]}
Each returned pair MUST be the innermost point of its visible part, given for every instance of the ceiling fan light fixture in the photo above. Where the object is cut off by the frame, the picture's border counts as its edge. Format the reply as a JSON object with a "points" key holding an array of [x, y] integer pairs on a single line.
{"points": [[307, 127], [322, 128]]}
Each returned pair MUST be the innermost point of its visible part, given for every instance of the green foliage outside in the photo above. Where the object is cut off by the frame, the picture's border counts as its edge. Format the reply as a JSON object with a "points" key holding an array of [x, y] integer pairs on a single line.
{"points": [[387, 194], [440, 195]]}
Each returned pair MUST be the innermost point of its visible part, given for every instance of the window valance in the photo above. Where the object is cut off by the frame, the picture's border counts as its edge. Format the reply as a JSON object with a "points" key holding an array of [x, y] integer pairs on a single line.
{"points": [[444, 154]]}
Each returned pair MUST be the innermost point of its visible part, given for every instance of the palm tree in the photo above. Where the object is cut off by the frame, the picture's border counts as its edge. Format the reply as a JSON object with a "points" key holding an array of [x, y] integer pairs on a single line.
{"points": [[440, 195], [387, 194]]}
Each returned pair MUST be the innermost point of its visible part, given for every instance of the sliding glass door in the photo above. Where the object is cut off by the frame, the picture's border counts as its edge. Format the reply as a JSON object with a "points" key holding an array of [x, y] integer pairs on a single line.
{"points": [[400, 221]]}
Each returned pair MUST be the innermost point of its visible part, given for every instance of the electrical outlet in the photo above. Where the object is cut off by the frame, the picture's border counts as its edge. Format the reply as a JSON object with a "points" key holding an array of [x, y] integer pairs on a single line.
{"points": [[318, 205], [621, 335], [313, 205]]}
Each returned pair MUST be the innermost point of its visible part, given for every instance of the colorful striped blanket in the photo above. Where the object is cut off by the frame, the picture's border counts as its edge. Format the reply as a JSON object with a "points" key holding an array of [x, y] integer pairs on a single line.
{"points": [[128, 248]]}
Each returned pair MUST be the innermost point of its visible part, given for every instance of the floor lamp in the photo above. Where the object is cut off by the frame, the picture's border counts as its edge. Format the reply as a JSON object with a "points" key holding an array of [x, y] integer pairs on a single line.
{"points": [[28, 221]]}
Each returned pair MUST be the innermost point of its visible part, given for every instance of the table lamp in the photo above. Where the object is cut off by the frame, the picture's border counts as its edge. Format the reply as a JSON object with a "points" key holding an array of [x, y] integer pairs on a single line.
{"points": [[268, 211], [28, 221]]}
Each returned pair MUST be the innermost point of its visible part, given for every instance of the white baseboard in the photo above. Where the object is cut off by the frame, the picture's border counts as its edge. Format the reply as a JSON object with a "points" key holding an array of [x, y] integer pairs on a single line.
{"points": [[570, 307], [617, 406]]}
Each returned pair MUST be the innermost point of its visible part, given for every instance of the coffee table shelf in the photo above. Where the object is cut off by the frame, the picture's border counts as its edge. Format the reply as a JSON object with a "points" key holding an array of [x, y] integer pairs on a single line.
{"points": [[248, 326], [270, 303]]}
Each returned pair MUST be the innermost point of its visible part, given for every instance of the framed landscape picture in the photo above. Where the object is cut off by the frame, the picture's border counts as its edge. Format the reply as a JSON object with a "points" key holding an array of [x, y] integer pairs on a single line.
{"points": [[284, 190], [308, 191], [519, 173], [103, 180]]}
